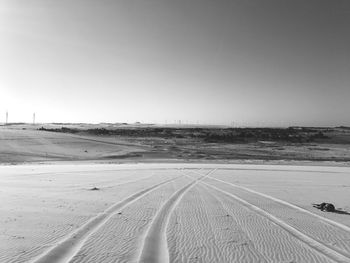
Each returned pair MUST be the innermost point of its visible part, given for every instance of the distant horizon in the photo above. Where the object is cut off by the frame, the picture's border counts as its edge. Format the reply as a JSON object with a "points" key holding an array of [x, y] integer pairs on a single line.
{"points": [[168, 124]]}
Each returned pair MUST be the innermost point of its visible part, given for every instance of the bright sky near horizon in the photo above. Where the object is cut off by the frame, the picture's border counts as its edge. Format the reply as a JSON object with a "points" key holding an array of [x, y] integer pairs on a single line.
{"points": [[251, 62]]}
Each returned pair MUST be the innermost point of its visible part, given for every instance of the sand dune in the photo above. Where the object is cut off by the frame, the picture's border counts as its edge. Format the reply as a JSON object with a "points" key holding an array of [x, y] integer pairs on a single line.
{"points": [[18, 146], [172, 213]]}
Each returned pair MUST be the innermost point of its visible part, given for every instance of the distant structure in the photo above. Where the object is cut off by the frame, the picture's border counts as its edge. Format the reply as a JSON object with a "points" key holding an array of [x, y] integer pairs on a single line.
{"points": [[34, 118], [7, 117]]}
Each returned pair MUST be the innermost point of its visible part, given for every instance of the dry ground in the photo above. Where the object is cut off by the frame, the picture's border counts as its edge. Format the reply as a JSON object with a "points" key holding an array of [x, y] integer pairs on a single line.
{"points": [[94, 210], [25, 143], [173, 213]]}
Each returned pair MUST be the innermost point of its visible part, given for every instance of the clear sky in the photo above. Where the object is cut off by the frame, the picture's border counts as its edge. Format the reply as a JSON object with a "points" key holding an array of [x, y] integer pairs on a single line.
{"points": [[252, 62]]}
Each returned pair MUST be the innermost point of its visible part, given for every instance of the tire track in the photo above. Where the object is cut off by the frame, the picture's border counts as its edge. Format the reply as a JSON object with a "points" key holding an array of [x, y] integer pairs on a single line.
{"points": [[120, 239], [329, 234], [329, 221], [155, 246], [202, 231], [51, 241], [68, 247], [272, 242], [330, 252]]}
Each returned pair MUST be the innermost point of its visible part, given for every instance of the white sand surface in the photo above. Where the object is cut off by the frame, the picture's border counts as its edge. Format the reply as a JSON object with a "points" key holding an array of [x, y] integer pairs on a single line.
{"points": [[19, 146], [173, 213], [210, 227]]}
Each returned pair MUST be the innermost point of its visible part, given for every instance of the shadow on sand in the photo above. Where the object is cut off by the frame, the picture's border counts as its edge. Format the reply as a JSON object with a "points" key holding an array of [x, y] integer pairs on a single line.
{"points": [[343, 212], [328, 207]]}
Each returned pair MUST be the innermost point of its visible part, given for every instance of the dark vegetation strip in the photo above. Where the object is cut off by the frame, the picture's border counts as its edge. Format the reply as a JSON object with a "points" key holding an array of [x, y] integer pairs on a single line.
{"points": [[217, 135]]}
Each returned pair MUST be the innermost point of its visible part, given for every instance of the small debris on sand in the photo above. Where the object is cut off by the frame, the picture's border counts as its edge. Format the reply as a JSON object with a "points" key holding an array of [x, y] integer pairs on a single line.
{"points": [[325, 207], [94, 189]]}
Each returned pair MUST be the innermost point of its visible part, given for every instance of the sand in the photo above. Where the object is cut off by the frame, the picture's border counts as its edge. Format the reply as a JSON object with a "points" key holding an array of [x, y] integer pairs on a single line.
{"points": [[25, 146], [119, 143], [179, 212]]}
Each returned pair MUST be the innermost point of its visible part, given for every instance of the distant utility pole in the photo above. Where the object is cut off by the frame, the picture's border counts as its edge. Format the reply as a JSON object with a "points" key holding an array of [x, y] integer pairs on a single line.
{"points": [[7, 117], [34, 118]]}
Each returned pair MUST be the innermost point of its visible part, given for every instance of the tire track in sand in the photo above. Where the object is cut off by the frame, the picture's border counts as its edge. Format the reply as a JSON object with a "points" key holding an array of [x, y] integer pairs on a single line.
{"points": [[272, 242], [328, 232], [51, 241], [65, 250], [155, 245], [329, 221], [201, 231], [322, 248]]}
